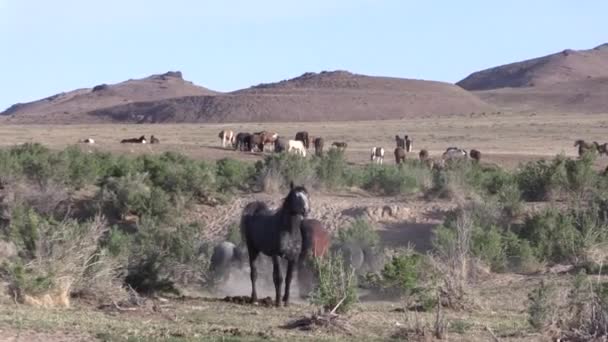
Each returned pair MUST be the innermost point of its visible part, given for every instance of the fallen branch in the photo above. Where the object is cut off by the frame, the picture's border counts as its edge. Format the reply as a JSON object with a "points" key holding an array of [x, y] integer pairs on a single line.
{"points": [[332, 312], [494, 338]]}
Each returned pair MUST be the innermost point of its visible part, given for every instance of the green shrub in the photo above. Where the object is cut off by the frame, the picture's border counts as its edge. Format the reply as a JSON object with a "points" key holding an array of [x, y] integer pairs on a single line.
{"points": [[337, 284], [83, 168], [539, 306], [177, 175], [553, 236], [519, 254], [360, 232], [131, 195], [487, 245], [23, 229], [535, 180], [234, 175], [391, 180], [331, 169], [66, 257], [234, 234], [158, 253], [289, 167]]}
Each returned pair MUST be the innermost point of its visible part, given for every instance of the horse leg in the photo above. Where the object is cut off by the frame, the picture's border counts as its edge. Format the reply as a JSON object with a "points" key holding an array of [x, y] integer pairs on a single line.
{"points": [[278, 279], [288, 276], [253, 255]]}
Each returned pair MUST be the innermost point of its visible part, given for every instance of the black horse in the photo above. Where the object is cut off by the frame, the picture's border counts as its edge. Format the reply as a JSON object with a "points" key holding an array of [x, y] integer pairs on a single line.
{"points": [[276, 234], [243, 142]]}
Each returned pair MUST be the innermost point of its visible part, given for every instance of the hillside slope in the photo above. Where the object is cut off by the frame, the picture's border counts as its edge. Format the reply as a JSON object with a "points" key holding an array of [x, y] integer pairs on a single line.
{"points": [[69, 107], [333, 96], [325, 96], [569, 82], [565, 66]]}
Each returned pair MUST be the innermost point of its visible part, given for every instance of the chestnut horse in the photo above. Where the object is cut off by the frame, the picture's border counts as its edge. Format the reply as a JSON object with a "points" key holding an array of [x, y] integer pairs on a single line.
{"points": [[399, 155], [315, 244], [319, 146]]}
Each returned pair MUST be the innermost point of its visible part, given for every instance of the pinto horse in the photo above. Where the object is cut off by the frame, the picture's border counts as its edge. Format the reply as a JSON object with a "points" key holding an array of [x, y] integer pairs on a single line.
{"points": [[276, 234], [227, 136], [377, 155]]}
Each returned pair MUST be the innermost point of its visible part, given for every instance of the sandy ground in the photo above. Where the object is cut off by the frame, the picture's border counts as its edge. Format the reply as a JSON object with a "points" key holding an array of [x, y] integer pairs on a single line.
{"points": [[502, 139]]}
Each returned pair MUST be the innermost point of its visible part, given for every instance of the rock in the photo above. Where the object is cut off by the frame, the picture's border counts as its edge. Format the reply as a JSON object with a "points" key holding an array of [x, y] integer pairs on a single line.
{"points": [[557, 269], [7, 250]]}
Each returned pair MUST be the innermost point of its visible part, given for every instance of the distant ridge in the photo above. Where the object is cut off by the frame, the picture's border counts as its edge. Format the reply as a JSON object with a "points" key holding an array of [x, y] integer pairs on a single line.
{"points": [[569, 81], [325, 96]]}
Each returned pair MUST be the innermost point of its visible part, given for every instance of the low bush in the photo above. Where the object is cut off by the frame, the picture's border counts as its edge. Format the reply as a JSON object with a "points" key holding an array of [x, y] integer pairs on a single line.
{"points": [[390, 180], [66, 258], [234, 175], [132, 195], [360, 233], [539, 306], [337, 284], [332, 169], [288, 167]]}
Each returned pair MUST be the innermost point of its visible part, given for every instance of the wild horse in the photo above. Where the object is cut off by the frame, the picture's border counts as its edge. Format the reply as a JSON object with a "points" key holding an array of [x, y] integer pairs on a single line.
{"points": [[276, 234]]}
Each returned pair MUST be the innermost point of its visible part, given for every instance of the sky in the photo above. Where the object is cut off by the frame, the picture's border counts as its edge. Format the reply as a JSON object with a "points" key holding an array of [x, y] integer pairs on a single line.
{"points": [[50, 46]]}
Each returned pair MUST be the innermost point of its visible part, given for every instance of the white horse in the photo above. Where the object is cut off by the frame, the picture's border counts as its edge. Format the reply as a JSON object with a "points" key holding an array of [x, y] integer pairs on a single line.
{"points": [[409, 144], [297, 146], [227, 136], [377, 155]]}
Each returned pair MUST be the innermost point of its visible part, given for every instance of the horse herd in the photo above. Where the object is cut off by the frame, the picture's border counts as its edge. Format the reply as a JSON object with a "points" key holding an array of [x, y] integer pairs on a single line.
{"points": [[584, 147], [264, 140], [271, 141]]}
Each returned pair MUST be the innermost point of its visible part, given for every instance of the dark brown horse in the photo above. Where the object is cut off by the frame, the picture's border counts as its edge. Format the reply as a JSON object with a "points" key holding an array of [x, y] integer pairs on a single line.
{"points": [[475, 155], [154, 140], [399, 155], [276, 234], [423, 155], [140, 140], [281, 144], [319, 146], [400, 142], [243, 141], [303, 137]]}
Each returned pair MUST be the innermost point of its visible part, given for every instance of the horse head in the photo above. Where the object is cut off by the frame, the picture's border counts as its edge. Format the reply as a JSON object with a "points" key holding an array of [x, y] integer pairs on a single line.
{"points": [[579, 142], [297, 201]]}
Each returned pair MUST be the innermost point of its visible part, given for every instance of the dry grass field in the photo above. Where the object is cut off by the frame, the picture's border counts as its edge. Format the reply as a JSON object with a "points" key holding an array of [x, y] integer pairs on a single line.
{"points": [[499, 301], [505, 139]]}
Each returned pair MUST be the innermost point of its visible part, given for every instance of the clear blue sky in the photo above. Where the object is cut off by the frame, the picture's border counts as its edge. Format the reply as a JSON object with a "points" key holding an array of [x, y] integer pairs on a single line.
{"points": [[49, 46]]}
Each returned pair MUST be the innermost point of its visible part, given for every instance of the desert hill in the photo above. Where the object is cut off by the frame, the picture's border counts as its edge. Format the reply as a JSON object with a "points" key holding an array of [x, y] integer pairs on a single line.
{"points": [[569, 81], [69, 107], [334, 96], [565, 66]]}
